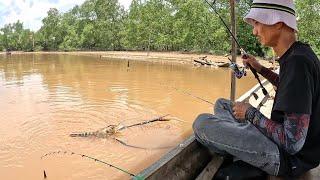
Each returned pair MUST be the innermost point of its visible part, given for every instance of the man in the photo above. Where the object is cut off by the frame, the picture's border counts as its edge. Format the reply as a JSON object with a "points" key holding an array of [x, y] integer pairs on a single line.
{"points": [[287, 144]]}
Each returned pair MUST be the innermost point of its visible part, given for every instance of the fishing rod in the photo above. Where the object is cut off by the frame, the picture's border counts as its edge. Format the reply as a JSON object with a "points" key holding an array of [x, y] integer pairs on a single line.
{"points": [[135, 177], [243, 52]]}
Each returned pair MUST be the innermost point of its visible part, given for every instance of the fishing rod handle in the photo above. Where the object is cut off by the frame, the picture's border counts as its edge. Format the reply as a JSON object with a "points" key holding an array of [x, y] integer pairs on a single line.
{"points": [[254, 71], [246, 56]]}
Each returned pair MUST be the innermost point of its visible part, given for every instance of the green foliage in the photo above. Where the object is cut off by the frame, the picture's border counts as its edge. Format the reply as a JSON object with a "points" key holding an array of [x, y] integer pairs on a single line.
{"points": [[198, 29], [70, 40], [15, 37], [244, 31], [308, 22], [51, 31], [160, 25], [149, 25]]}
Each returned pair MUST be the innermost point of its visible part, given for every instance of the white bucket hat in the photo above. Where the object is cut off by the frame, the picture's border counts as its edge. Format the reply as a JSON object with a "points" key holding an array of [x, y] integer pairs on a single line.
{"points": [[273, 11]]}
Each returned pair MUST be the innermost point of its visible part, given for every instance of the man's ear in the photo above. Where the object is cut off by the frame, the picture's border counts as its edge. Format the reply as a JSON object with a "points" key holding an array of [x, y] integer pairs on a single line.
{"points": [[279, 25]]}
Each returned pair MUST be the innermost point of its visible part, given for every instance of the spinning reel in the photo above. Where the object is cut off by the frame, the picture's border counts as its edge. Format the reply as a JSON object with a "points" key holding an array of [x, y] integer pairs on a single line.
{"points": [[239, 72]]}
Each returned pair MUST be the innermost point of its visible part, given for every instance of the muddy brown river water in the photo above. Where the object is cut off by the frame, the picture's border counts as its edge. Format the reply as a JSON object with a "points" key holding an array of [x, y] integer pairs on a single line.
{"points": [[43, 98]]}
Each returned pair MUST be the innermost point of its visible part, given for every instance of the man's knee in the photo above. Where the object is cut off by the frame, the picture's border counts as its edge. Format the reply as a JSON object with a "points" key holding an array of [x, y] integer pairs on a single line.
{"points": [[198, 123], [222, 103], [222, 100]]}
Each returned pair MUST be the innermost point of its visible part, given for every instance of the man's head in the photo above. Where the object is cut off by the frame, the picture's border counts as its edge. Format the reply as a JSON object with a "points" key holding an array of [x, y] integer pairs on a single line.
{"points": [[271, 19]]}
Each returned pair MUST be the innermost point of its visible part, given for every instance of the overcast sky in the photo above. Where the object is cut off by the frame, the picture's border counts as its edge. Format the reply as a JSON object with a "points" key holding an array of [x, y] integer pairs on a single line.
{"points": [[31, 12]]}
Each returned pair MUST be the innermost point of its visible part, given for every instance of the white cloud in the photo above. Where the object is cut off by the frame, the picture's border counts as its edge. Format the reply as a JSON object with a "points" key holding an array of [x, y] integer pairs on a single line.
{"points": [[31, 12], [125, 3]]}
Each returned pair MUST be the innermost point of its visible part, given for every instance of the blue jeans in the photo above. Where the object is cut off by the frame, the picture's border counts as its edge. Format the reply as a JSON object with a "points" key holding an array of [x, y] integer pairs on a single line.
{"points": [[223, 134]]}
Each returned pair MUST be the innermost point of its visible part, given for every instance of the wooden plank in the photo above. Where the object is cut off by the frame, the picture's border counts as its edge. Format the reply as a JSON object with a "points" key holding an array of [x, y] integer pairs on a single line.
{"points": [[210, 170]]}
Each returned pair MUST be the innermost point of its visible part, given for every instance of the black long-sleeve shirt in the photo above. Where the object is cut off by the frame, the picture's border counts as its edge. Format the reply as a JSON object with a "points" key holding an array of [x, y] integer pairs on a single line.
{"points": [[295, 118]]}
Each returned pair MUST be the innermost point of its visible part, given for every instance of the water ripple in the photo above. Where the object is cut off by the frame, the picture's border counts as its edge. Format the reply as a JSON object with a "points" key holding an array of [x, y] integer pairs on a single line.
{"points": [[46, 97]]}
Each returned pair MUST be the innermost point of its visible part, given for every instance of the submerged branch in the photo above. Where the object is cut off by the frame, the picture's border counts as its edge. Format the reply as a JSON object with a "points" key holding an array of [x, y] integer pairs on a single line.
{"points": [[161, 118]]}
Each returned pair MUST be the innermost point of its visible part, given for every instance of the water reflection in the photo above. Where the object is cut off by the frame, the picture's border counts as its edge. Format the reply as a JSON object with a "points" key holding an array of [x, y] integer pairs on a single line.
{"points": [[46, 97]]}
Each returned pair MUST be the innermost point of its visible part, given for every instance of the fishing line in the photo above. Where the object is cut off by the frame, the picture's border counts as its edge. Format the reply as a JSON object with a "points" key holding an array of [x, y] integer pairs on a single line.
{"points": [[139, 147], [243, 52], [91, 158], [189, 94]]}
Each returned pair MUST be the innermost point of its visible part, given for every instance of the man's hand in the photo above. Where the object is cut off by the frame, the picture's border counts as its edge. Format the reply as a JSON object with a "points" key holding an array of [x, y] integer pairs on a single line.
{"points": [[248, 59], [239, 110]]}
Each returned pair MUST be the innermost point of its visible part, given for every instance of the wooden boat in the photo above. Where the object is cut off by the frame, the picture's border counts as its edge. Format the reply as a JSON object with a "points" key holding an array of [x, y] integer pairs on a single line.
{"points": [[190, 160], [186, 161]]}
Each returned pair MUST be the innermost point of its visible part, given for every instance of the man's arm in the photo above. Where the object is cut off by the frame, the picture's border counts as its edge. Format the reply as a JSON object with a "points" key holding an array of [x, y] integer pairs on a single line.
{"points": [[270, 76], [290, 135]]}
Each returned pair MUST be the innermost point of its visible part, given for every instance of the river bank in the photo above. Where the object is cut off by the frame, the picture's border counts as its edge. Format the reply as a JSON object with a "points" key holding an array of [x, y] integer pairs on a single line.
{"points": [[162, 57]]}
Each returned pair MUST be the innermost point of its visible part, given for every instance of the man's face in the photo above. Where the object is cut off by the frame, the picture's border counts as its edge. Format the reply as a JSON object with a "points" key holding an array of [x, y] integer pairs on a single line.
{"points": [[268, 35]]}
